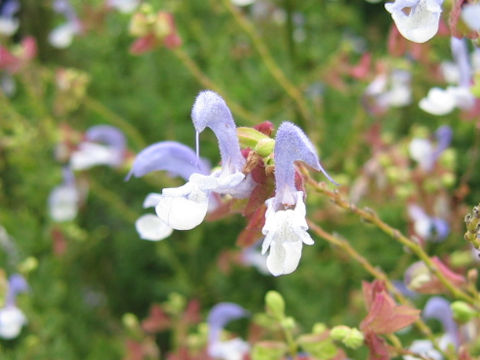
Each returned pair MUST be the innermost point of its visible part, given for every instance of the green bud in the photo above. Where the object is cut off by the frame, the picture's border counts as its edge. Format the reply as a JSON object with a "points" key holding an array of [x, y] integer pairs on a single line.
{"points": [[175, 303], [269, 350], [354, 339], [461, 258], [462, 312], [448, 179], [28, 265], [250, 137], [319, 328], [275, 304], [288, 323], [130, 321], [338, 333], [139, 25], [265, 147], [448, 158]]}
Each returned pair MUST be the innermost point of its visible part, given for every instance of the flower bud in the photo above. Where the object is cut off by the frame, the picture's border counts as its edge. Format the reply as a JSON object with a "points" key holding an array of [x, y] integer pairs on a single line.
{"points": [[163, 24], [288, 323], [319, 346], [275, 304], [130, 321], [319, 328], [265, 147], [462, 312], [139, 25], [28, 265], [350, 337], [250, 137]]}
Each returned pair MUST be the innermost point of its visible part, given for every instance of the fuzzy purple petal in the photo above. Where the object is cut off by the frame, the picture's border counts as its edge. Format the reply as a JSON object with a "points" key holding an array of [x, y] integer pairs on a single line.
{"points": [[9, 8], [220, 315], [108, 135], [171, 156], [16, 285], [291, 144], [210, 110], [461, 56], [441, 228], [439, 308]]}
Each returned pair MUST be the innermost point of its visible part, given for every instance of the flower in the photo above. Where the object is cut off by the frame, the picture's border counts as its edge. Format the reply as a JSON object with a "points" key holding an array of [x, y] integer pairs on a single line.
{"points": [[427, 227], [12, 318], [436, 308], [8, 23], [64, 199], [285, 226], [124, 6], [421, 22], [91, 152], [178, 160], [220, 315], [443, 101], [471, 16], [61, 37], [185, 207], [425, 153]]}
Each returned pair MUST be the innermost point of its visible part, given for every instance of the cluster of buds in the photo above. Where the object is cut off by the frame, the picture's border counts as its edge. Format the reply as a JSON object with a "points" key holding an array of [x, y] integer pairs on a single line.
{"points": [[71, 87], [152, 29], [472, 221]]}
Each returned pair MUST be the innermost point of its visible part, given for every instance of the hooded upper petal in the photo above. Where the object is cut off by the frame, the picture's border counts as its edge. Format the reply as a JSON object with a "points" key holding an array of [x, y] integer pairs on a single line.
{"points": [[210, 110], [291, 144], [422, 21]]}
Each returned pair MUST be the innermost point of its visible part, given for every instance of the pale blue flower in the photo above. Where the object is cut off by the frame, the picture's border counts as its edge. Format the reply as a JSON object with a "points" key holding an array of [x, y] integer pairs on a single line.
{"points": [[427, 153], [64, 199], [103, 145], [232, 349], [428, 227], [185, 207], [285, 226], [61, 37], [178, 160], [12, 318], [8, 22]]}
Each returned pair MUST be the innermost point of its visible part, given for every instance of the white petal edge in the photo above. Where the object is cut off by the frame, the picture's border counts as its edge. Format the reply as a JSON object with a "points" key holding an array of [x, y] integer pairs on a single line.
{"points": [[150, 227]]}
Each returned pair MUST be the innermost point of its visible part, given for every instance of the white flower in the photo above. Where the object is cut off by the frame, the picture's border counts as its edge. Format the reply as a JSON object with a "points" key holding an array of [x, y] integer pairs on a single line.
{"points": [[8, 26], [124, 6], [234, 349], [63, 202], [185, 207], [421, 22], [243, 2], [11, 321], [285, 233], [442, 102], [91, 154], [422, 150], [150, 227], [61, 37], [471, 16], [424, 348]]}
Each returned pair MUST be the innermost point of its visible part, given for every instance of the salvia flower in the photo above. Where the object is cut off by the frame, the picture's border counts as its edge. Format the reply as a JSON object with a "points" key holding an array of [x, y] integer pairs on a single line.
{"points": [[421, 22], [178, 160], [471, 16], [124, 6], [64, 199], [8, 22], [428, 227], [443, 101], [220, 315], [103, 145], [425, 152], [285, 226], [62, 36], [185, 207], [12, 318]]}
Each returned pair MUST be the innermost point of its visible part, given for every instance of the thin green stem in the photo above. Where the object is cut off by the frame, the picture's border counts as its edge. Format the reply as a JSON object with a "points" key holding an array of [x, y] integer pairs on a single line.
{"points": [[292, 91], [371, 217]]}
